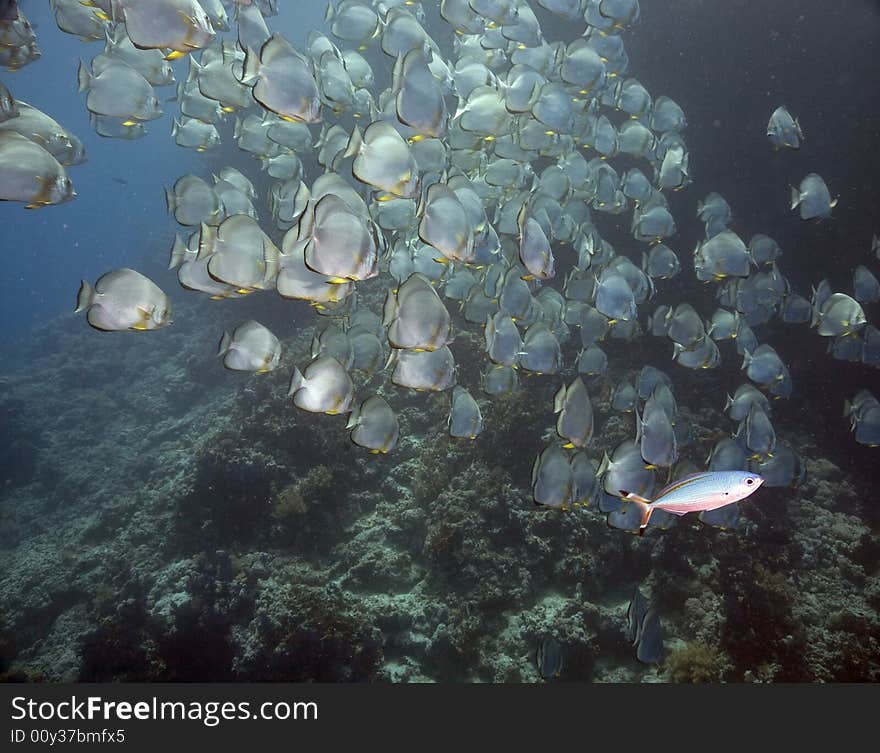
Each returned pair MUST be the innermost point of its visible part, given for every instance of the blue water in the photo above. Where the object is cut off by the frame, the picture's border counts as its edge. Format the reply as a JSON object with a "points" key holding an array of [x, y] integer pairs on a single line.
{"points": [[823, 65], [118, 217]]}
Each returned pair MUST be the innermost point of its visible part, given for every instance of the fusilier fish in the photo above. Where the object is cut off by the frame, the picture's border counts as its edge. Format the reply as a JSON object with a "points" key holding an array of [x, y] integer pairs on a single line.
{"points": [[707, 490]]}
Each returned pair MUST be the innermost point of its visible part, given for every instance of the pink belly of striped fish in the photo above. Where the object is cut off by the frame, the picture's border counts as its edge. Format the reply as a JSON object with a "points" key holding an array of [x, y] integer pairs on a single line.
{"points": [[680, 508]]}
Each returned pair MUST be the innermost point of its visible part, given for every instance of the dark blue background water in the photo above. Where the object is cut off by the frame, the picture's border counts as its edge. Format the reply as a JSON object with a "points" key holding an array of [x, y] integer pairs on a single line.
{"points": [[119, 216], [729, 64]]}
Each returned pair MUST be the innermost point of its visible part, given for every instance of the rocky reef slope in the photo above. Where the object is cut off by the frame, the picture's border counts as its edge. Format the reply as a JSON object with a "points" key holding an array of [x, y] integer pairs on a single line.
{"points": [[165, 520]]}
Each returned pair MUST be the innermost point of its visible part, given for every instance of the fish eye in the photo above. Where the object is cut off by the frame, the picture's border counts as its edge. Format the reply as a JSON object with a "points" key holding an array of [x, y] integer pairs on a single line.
{"points": [[750, 481]]}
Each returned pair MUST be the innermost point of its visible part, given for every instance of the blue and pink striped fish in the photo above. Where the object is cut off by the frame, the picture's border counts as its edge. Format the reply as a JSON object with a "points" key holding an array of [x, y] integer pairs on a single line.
{"points": [[707, 490]]}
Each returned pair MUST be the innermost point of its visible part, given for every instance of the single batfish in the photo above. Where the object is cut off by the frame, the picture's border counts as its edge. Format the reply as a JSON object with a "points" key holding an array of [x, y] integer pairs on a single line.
{"points": [[696, 492]]}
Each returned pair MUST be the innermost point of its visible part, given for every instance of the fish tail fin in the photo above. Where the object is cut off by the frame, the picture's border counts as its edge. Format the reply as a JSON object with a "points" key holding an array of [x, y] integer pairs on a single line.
{"points": [[175, 126], [109, 37], [397, 75], [646, 516], [330, 13], [223, 347], [84, 77], [354, 418], [296, 381], [795, 197], [207, 241], [747, 359], [170, 201], [633, 497], [644, 505], [354, 143], [251, 67], [229, 51], [84, 297], [392, 358], [559, 399], [271, 258], [178, 251], [389, 309]]}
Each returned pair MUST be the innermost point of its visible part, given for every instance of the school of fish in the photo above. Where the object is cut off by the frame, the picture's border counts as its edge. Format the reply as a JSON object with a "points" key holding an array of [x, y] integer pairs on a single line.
{"points": [[471, 179]]}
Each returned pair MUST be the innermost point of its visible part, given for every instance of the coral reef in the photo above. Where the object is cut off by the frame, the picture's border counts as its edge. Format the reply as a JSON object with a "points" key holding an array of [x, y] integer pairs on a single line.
{"points": [[164, 520], [695, 662]]}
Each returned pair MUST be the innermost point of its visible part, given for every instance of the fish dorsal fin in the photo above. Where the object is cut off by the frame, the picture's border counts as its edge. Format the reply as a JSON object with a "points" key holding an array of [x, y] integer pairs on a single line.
{"points": [[274, 48]]}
